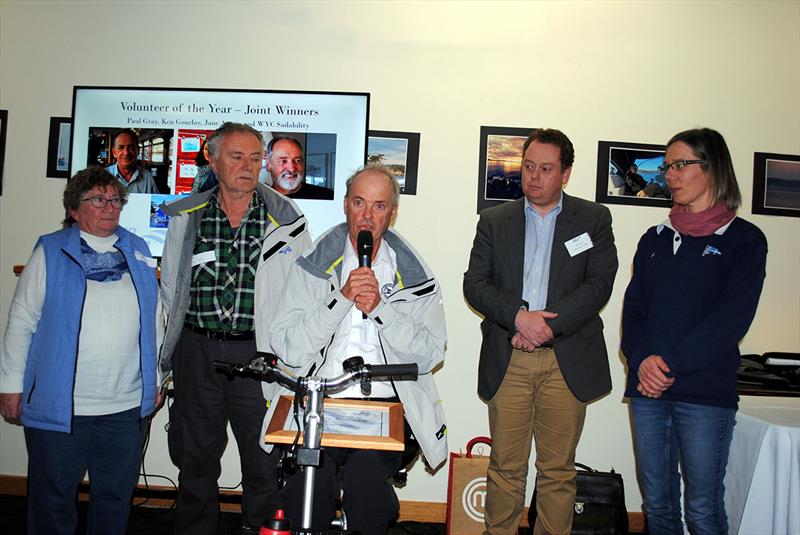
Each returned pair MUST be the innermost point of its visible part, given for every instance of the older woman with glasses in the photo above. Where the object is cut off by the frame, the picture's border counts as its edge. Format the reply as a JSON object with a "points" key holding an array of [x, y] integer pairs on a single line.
{"points": [[697, 278], [79, 364]]}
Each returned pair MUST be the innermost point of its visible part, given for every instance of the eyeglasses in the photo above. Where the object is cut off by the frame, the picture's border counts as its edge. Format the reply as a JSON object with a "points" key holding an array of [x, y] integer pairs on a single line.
{"points": [[101, 202], [679, 164]]}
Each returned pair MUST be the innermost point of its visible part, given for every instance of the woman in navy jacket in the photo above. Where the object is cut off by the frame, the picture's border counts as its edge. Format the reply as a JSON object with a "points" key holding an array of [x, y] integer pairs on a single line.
{"points": [[697, 278]]}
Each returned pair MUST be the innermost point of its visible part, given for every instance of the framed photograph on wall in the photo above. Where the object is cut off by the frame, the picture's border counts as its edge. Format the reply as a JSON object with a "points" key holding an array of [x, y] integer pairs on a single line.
{"points": [[398, 151], [3, 129], [628, 173], [776, 184], [499, 164], [58, 147]]}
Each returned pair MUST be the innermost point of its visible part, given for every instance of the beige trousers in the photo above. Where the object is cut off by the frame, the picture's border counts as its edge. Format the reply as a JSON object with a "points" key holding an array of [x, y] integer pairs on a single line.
{"points": [[533, 402]]}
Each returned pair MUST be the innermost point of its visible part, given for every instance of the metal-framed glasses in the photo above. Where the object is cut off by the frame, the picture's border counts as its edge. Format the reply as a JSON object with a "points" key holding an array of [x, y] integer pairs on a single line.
{"points": [[101, 202], [679, 164]]}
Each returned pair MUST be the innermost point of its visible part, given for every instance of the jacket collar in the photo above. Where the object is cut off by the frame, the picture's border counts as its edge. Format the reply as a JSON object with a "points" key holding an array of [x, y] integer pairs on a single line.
{"points": [[564, 230], [324, 260], [281, 210], [566, 224]]}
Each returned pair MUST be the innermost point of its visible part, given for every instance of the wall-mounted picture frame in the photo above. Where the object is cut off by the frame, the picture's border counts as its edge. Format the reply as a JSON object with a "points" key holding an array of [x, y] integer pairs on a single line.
{"points": [[627, 173], [349, 423], [58, 147], [398, 151], [499, 164], [3, 130], [776, 184]]}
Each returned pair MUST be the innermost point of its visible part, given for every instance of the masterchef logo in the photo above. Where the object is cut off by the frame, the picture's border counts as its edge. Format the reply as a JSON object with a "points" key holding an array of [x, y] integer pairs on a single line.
{"points": [[473, 499]]}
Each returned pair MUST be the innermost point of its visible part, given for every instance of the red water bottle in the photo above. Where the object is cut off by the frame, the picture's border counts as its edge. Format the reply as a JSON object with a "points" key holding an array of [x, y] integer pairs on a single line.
{"points": [[280, 525]]}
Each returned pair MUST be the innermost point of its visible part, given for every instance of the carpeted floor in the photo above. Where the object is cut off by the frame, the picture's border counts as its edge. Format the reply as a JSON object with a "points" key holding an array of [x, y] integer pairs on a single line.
{"points": [[158, 521]]}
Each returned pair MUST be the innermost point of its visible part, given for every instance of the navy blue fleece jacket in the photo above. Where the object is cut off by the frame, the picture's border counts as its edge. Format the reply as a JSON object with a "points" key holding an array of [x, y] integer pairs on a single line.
{"points": [[690, 300]]}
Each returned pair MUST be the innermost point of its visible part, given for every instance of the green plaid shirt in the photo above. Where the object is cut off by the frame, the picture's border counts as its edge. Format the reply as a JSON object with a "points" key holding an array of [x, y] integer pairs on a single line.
{"points": [[222, 295]]}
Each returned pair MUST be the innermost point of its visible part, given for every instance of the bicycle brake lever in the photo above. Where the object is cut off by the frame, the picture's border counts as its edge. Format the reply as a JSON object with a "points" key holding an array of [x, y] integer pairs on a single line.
{"points": [[366, 386], [228, 368], [259, 364]]}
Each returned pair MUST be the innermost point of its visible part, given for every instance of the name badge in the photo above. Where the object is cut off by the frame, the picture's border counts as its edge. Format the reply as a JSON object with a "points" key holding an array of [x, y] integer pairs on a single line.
{"points": [[202, 258], [579, 244], [151, 262]]}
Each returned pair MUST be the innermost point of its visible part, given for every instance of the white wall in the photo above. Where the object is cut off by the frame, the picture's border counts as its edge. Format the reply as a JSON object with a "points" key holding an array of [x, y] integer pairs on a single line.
{"points": [[623, 71]]}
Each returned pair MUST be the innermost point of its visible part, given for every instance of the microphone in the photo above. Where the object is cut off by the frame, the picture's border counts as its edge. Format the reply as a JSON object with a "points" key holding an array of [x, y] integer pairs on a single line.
{"points": [[364, 248], [364, 251]]}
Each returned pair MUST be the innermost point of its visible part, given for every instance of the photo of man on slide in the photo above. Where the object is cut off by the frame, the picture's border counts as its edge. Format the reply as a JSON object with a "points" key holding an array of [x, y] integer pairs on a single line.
{"points": [[125, 150], [138, 158], [287, 167]]}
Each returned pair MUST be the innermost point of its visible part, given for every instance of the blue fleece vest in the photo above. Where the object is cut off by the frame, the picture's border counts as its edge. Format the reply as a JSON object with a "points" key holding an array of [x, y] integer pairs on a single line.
{"points": [[47, 401]]}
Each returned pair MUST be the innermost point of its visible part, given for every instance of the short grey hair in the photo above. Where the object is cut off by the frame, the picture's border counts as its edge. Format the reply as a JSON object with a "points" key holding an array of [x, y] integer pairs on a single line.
{"points": [[383, 170], [214, 141]]}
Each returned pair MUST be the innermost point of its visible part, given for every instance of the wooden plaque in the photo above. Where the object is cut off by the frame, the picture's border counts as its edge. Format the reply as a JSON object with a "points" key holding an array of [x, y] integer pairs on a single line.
{"points": [[369, 425]]}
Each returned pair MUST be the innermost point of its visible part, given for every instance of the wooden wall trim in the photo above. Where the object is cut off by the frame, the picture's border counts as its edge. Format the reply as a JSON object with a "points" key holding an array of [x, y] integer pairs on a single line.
{"points": [[13, 485]]}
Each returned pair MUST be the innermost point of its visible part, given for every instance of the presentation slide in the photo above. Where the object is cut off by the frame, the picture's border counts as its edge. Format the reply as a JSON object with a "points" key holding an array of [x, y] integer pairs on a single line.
{"points": [[172, 124]]}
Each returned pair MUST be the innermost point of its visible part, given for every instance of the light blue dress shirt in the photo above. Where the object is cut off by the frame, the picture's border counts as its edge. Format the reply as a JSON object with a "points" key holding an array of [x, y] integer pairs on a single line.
{"points": [[539, 231]]}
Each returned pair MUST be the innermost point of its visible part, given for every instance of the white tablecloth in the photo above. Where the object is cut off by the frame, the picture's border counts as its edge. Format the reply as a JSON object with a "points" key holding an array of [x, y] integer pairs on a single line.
{"points": [[762, 482]]}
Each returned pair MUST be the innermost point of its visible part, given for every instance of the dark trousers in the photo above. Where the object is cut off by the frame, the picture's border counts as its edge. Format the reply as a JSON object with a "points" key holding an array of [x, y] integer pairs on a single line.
{"points": [[109, 447], [205, 401], [370, 502]]}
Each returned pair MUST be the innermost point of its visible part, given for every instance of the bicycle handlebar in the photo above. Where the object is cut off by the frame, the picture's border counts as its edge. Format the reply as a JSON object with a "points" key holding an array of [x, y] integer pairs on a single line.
{"points": [[265, 365], [400, 372]]}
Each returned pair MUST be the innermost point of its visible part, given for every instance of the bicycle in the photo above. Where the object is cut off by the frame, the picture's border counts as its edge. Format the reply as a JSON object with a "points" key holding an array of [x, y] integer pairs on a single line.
{"points": [[265, 367]]}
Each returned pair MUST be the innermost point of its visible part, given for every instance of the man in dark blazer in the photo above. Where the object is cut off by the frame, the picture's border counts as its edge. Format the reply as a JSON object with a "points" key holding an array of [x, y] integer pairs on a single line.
{"points": [[541, 269]]}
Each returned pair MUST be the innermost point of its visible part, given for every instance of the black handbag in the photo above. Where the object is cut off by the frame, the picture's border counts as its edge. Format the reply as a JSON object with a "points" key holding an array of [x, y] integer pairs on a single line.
{"points": [[599, 503]]}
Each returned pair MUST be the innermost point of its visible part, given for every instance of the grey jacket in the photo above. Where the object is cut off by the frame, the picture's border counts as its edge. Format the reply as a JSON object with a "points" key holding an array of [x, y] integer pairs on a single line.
{"points": [[286, 237], [410, 324], [578, 288]]}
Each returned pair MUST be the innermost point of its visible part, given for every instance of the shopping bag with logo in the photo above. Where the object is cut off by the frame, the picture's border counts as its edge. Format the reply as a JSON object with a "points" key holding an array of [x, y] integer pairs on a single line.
{"points": [[466, 489]]}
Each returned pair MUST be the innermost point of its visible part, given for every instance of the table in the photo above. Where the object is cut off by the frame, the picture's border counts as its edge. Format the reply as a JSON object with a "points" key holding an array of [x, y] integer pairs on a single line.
{"points": [[762, 482]]}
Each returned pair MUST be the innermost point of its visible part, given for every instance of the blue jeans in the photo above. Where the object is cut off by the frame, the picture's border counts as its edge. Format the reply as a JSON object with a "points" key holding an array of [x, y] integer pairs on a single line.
{"points": [[697, 436], [110, 447]]}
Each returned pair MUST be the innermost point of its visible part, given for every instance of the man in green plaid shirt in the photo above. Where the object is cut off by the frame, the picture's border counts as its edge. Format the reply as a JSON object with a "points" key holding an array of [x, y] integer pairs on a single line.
{"points": [[223, 293], [216, 243]]}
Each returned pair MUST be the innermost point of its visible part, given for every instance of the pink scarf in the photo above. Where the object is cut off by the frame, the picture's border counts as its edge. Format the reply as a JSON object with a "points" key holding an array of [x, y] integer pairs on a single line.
{"points": [[700, 223]]}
